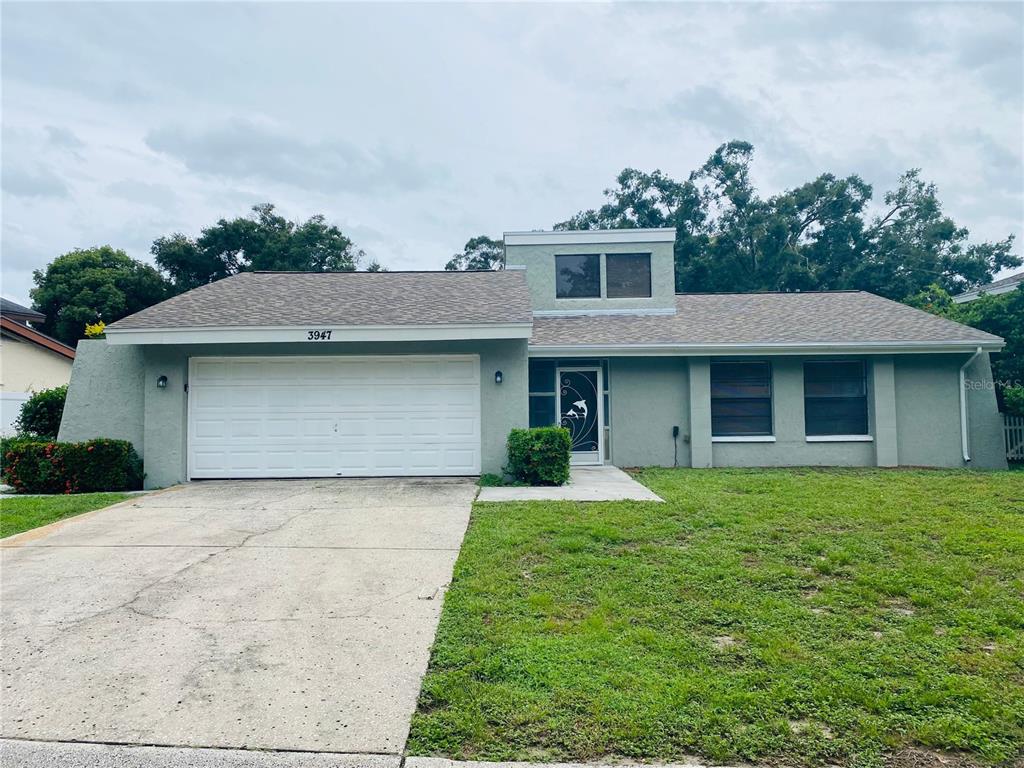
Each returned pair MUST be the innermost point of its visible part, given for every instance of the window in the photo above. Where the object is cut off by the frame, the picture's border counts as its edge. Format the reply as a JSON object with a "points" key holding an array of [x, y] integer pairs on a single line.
{"points": [[578, 276], [542, 393], [741, 398], [835, 397], [629, 275]]}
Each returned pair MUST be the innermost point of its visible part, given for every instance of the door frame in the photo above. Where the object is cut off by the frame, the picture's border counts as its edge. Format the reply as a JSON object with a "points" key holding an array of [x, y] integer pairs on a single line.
{"points": [[189, 424], [559, 370]]}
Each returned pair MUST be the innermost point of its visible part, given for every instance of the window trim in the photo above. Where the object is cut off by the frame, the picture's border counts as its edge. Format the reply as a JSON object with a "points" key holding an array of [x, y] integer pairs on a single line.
{"points": [[747, 437], [650, 276], [840, 437], [600, 277]]}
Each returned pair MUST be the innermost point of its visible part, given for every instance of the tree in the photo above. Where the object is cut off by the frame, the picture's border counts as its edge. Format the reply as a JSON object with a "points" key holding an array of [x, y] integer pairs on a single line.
{"points": [[480, 252], [263, 241], [814, 237], [92, 284]]}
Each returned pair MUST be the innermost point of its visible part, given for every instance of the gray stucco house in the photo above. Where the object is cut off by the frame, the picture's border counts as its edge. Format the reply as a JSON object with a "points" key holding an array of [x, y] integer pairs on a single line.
{"points": [[425, 373]]}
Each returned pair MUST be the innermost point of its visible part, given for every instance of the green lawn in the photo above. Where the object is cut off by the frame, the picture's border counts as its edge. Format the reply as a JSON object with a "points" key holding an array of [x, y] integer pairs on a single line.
{"points": [[796, 616], [19, 514]]}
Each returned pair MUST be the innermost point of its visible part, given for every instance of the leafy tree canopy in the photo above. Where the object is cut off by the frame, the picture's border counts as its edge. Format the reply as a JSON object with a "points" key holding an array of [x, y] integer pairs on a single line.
{"points": [[93, 284], [263, 241], [817, 236], [1001, 314], [480, 252]]}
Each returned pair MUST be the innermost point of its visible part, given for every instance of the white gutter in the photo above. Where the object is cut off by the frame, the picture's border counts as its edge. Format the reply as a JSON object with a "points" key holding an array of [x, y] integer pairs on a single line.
{"points": [[763, 348], [965, 438]]}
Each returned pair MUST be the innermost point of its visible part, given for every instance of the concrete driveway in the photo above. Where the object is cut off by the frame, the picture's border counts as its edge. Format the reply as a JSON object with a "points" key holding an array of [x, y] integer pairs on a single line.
{"points": [[283, 615]]}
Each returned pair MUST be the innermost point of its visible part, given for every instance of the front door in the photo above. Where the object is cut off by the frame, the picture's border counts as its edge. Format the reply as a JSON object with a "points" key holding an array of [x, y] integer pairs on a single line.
{"points": [[580, 407]]}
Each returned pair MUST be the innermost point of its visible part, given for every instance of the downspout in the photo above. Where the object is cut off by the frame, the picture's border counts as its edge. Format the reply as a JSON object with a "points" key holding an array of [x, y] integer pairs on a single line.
{"points": [[965, 438]]}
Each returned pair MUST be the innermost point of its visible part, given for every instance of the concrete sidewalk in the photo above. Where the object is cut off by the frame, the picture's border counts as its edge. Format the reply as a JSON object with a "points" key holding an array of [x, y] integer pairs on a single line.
{"points": [[33, 754], [605, 483]]}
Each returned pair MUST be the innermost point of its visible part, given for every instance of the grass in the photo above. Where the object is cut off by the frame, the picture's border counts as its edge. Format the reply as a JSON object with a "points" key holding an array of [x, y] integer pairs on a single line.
{"points": [[496, 481], [780, 616], [22, 514]]}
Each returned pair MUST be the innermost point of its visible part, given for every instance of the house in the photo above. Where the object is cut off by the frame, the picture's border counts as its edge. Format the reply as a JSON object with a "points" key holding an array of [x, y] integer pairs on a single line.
{"points": [[424, 373], [30, 361], [1005, 285]]}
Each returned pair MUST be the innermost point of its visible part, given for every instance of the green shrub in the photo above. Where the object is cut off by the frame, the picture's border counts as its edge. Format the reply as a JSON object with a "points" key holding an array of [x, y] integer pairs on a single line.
{"points": [[38, 466], [539, 456], [1013, 400], [40, 414]]}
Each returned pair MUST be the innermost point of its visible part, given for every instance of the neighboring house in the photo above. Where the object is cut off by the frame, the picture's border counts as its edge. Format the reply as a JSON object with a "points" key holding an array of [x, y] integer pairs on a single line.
{"points": [[1005, 285], [29, 361], [424, 373]]}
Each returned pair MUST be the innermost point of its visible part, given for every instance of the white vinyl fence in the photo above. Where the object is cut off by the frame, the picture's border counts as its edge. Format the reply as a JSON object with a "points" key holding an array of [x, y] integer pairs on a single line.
{"points": [[1013, 427]]}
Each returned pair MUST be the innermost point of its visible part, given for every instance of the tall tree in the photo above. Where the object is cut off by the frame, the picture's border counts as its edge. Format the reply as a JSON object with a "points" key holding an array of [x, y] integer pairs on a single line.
{"points": [[814, 237], [92, 284], [480, 252], [263, 241]]}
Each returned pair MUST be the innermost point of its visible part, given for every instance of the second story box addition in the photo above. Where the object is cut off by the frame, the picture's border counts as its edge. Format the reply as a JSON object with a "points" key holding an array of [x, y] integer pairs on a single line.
{"points": [[613, 271]]}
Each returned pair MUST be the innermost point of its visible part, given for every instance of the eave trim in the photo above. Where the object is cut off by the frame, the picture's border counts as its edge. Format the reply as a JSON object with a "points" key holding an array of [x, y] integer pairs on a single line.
{"points": [[300, 334], [41, 339]]}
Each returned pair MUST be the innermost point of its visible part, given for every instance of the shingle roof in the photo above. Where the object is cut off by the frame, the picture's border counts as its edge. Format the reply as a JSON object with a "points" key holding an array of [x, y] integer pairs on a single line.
{"points": [[344, 299], [14, 309], [996, 287], [759, 319]]}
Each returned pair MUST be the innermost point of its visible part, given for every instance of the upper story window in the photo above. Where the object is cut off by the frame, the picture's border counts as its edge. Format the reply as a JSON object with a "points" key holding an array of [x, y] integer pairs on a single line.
{"points": [[629, 275], [741, 398], [578, 276], [835, 397]]}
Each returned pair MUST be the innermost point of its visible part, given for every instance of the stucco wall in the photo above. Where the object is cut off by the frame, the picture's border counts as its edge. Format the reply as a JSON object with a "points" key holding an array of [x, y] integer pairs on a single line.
{"points": [[647, 397], [913, 415], [539, 261], [105, 396], [928, 412], [503, 406], [988, 444], [27, 367]]}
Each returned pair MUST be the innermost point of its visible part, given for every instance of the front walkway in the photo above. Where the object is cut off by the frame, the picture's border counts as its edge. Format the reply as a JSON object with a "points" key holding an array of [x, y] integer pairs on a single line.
{"points": [[605, 483], [277, 615]]}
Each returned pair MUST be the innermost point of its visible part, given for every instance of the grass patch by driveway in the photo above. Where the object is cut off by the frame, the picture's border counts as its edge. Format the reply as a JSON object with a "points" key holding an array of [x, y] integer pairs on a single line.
{"points": [[21, 514], [794, 616]]}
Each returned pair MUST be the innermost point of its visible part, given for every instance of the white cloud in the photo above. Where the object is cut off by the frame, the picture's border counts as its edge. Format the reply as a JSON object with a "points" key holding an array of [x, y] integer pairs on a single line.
{"points": [[124, 122]]}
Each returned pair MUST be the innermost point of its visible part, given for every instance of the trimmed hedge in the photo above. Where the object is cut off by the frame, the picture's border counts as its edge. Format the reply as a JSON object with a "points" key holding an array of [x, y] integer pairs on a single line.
{"points": [[37, 466], [539, 456]]}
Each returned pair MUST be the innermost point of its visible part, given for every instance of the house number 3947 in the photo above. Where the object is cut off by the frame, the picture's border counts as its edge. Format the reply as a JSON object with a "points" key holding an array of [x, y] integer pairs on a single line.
{"points": [[318, 336]]}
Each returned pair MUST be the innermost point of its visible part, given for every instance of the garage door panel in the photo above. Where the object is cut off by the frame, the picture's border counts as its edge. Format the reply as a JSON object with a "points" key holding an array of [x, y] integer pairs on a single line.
{"points": [[331, 416]]}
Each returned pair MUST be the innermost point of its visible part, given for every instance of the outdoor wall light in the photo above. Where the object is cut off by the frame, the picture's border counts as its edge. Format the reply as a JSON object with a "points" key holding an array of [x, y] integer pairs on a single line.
{"points": [[162, 382], [497, 377]]}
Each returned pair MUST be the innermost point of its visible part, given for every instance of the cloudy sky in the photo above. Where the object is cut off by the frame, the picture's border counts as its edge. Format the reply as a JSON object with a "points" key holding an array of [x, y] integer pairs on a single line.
{"points": [[415, 127]]}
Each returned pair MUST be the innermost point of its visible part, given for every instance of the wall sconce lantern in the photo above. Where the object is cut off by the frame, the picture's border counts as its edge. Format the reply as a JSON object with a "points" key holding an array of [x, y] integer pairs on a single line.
{"points": [[497, 377], [162, 382]]}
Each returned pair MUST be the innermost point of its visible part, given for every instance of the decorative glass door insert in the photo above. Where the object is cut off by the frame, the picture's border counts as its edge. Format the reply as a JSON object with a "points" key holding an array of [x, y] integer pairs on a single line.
{"points": [[579, 411]]}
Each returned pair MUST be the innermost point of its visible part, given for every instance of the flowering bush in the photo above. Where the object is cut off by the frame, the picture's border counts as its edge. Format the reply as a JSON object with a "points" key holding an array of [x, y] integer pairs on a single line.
{"points": [[36, 466], [95, 330]]}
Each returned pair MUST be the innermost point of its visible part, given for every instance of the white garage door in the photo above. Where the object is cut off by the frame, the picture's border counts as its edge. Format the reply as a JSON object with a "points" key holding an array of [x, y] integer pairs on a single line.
{"points": [[334, 416]]}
